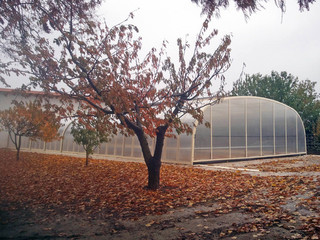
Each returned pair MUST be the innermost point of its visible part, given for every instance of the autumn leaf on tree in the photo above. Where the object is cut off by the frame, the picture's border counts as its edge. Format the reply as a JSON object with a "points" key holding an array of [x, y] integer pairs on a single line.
{"points": [[101, 67], [29, 120]]}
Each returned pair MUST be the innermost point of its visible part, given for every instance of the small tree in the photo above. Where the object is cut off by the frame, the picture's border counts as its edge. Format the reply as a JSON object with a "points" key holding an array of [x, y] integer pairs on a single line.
{"points": [[29, 120], [89, 135]]}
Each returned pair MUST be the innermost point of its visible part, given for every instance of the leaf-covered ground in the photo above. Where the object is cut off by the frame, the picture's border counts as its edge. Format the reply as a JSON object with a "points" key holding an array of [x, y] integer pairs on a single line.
{"points": [[192, 203], [297, 164]]}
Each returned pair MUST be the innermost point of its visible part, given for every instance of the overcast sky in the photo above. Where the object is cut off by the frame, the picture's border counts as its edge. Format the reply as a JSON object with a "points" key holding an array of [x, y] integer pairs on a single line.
{"points": [[266, 41]]}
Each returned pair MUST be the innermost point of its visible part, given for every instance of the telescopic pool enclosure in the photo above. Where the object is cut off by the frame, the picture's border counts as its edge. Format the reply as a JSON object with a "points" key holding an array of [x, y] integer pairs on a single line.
{"points": [[240, 128]]}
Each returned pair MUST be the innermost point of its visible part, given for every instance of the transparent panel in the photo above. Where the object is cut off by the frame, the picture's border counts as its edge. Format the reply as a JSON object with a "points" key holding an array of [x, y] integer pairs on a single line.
{"points": [[185, 141], [171, 154], [53, 146], [68, 141], [75, 147], [33, 144], [79, 148], [185, 148], [4, 139], [119, 145], [172, 148], [10, 143], [238, 134], [280, 128], [202, 149], [291, 131], [267, 127], [301, 137], [151, 143], [111, 146], [220, 130], [185, 155], [25, 142], [172, 142], [202, 153], [102, 148], [128, 144], [253, 127], [50, 146], [96, 151], [136, 148], [37, 144]]}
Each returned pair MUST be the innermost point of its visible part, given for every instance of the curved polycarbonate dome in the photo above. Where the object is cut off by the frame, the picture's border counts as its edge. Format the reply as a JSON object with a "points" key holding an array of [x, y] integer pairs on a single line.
{"points": [[248, 127], [240, 128]]}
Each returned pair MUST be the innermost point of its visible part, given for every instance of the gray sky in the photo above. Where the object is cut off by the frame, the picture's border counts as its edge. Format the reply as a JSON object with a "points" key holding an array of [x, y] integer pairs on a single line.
{"points": [[264, 42]]}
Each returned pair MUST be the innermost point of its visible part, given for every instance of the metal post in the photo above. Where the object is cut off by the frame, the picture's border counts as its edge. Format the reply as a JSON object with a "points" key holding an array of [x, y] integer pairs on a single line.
{"points": [[246, 125], [229, 122], [286, 129], [274, 129], [211, 133], [260, 118]]}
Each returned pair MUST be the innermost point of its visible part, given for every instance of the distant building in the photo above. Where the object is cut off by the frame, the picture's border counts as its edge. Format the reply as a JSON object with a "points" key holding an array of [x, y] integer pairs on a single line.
{"points": [[240, 128]]}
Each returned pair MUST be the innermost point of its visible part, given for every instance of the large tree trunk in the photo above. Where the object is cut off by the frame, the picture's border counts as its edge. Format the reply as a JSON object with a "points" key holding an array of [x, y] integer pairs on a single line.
{"points": [[154, 173], [153, 162]]}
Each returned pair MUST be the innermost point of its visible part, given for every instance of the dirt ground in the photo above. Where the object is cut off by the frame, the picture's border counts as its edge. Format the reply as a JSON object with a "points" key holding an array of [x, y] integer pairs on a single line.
{"points": [[298, 218]]}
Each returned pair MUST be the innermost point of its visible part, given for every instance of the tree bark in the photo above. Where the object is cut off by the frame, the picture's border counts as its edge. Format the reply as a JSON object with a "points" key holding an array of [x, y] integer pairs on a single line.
{"points": [[154, 173], [18, 154], [154, 163], [87, 158], [18, 146]]}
